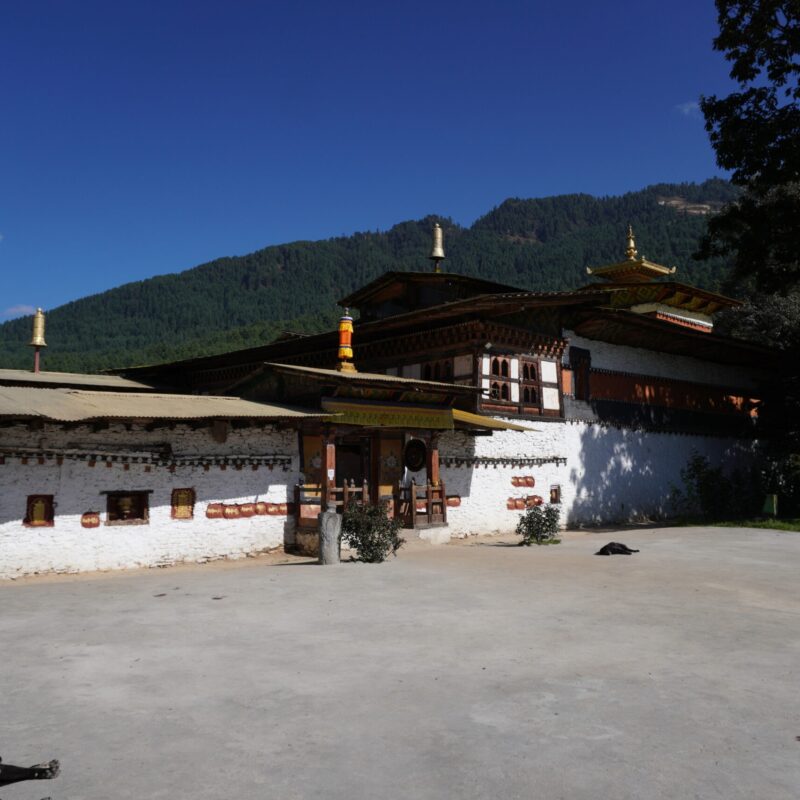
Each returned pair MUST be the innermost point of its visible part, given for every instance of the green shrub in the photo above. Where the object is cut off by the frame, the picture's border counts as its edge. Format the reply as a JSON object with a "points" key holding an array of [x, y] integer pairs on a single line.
{"points": [[782, 477], [539, 525], [710, 494], [370, 532]]}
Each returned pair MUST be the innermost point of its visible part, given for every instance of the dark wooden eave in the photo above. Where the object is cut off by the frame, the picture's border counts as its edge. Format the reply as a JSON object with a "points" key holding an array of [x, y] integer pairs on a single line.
{"points": [[636, 330], [242, 362], [302, 384], [474, 285], [671, 293], [370, 380]]}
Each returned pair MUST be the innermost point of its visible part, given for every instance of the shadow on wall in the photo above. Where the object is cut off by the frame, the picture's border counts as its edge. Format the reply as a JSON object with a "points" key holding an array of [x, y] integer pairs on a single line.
{"points": [[609, 482], [626, 475]]}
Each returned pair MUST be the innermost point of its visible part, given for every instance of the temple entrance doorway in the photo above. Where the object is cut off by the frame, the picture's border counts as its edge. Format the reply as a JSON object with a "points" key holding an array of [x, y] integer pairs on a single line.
{"points": [[353, 461], [397, 468]]}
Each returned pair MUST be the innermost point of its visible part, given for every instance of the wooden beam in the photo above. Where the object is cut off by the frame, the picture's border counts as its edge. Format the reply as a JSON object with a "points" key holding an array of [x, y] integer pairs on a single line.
{"points": [[433, 460]]}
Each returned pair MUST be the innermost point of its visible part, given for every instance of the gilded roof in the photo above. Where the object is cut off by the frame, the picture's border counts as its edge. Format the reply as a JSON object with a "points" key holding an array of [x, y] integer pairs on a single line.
{"points": [[639, 271]]}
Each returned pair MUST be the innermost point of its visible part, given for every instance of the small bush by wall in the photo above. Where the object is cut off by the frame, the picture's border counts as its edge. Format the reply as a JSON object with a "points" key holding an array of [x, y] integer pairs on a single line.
{"points": [[709, 493], [370, 532], [539, 525]]}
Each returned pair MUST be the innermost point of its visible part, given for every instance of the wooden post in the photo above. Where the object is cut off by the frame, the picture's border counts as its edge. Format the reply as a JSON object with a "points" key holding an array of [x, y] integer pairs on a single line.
{"points": [[429, 501], [413, 495], [443, 496], [433, 460], [328, 469]]}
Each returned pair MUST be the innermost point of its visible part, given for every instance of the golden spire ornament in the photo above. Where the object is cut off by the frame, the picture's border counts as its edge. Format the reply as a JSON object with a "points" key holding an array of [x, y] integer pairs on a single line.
{"points": [[37, 339], [437, 251], [631, 251]]}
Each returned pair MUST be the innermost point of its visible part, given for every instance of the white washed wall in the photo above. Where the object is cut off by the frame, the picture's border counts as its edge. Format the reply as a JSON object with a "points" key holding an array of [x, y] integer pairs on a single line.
{"points": [[68, 547], [620, 358], [611, 475]]}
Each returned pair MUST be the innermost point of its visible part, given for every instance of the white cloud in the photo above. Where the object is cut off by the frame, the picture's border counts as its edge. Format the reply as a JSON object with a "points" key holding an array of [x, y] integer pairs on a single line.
{"points": [[691, 108], [20, 310]]}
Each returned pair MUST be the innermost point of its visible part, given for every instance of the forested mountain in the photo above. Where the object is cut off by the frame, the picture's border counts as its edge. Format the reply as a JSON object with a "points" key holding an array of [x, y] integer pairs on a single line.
{"points": [[229, 303]]}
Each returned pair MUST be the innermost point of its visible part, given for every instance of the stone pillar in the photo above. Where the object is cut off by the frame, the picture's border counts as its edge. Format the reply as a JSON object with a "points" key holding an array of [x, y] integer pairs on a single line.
{"points": [[330, 528]]}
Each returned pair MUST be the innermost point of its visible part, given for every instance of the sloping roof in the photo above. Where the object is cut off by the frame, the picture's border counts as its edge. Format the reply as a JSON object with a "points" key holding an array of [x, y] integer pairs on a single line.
{"points": [[636, 330], [368, 414], [501, 301], [24, 377], [480, 285], [638, 270], [673, 293], [75, 405], [471, 420], [372, 378], [410, 415], [495, 304]]}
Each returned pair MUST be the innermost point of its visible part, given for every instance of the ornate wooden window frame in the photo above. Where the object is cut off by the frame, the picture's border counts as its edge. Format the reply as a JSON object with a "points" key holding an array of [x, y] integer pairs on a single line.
{"points": [[143, 494], [525, 385], [530, 382], [439, 370]]}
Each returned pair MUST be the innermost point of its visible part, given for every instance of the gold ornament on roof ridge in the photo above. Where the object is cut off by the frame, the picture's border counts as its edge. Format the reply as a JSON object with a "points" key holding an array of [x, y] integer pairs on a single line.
{"points": [[437, 251], [37, 340], [630, 251]]}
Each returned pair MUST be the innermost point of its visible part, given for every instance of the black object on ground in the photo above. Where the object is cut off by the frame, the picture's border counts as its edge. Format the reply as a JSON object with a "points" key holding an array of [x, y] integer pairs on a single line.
{"points": [[11, 774], [615, 549]]}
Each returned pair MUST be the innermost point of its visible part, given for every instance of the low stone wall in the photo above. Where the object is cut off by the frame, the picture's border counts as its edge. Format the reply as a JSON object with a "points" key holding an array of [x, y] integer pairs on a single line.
{"points": [[78, 487], [602, 474]]}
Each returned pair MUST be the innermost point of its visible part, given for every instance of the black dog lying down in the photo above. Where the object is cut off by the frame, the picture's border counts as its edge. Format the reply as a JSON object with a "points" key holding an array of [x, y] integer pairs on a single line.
{"points": [[11, 774], [615, 549]]}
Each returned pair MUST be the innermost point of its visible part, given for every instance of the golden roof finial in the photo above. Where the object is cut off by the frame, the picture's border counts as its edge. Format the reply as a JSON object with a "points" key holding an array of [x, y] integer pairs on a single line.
{"points": [[437, 251], [630, 250], [37, 340]]}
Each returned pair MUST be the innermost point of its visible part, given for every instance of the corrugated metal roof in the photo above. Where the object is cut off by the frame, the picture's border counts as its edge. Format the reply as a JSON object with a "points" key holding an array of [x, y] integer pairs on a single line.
{"points": [[53, 379], [372, 377], [76, 405]]}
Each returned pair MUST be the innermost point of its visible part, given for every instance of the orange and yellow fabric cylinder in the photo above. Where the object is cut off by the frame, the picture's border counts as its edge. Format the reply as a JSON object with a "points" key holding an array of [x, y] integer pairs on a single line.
{"points": [[346, 338]]}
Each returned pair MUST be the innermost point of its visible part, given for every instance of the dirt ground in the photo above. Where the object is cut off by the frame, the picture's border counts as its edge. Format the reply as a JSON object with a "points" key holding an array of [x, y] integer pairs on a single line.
{"points": [[472, 670]]}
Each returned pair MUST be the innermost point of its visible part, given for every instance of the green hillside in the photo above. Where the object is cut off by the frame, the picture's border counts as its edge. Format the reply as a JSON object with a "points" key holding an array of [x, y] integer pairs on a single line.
{"points": [[542, 244]]}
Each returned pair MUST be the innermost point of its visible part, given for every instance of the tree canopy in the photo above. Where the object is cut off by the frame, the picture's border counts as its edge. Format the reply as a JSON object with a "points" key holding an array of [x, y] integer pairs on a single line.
{"points": [[755, 132]]}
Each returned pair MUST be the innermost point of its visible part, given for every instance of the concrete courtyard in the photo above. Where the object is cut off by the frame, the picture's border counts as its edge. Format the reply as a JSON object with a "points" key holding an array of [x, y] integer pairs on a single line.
{"points": [[472, 670]]}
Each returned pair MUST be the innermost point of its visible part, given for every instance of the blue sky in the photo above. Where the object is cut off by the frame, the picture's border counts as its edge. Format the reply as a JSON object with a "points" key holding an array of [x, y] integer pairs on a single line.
{"points": [[138, 138]]}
